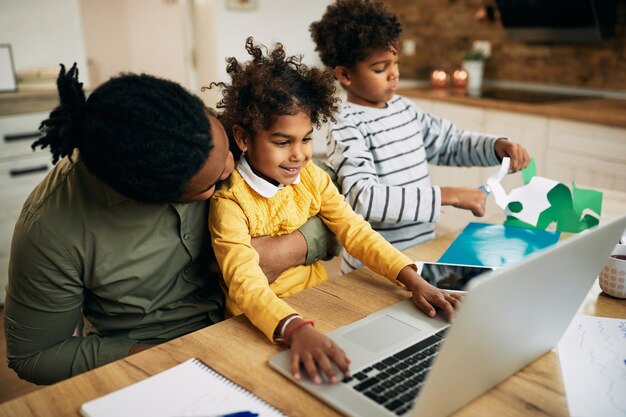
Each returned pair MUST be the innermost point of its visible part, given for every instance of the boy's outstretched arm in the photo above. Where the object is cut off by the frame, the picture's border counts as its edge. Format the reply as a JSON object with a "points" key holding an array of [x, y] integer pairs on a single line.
{"points": [[428, 297]]}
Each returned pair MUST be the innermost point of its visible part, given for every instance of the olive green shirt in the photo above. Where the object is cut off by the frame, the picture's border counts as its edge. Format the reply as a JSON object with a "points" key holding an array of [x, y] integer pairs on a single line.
{"points": [[138, 273]]}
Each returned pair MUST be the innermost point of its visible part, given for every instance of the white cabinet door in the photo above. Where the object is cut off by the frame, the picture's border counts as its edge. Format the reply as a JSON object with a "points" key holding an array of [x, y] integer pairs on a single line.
{"points": [[586, 172], [466, 118], [529, 131], [21, 169], [588, 154]]}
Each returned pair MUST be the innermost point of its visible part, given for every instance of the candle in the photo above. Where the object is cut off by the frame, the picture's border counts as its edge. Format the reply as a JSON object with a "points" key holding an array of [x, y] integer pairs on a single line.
{"points": [[459, 79], [438, 79]]}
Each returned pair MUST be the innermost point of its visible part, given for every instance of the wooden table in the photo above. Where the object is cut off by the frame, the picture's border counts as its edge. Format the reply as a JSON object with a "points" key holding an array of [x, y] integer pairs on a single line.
{"points": [[240, 352]]}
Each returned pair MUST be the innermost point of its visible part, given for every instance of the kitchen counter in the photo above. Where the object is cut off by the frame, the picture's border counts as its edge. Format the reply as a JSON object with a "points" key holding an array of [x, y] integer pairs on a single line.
{"points": [[607, 112], [28, 102]]}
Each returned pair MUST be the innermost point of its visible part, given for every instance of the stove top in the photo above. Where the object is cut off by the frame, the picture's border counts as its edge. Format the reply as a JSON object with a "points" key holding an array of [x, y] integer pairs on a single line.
{"points": [[528, 96]]}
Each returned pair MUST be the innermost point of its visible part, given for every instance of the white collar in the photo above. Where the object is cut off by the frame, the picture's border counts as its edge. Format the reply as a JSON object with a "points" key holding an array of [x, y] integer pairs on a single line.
{"points": [[258, 184]]}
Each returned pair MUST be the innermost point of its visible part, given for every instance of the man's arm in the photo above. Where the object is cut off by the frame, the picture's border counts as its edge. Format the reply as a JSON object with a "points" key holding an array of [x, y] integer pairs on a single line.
{"points": [[41, 348], [309, 244], [43, 306]]}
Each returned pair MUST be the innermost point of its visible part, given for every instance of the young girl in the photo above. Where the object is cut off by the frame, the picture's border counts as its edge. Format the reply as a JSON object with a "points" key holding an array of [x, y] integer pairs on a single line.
{"points": [[270, 108]]}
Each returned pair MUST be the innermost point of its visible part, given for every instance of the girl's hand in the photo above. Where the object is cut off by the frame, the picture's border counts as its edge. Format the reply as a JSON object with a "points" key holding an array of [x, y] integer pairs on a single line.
{"points": [[312, 349], [427, 297]]}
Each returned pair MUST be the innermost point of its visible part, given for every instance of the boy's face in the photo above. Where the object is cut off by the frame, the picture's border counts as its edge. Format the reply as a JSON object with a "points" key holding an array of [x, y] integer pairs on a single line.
{"points": [[374, 80], [279, 153]]}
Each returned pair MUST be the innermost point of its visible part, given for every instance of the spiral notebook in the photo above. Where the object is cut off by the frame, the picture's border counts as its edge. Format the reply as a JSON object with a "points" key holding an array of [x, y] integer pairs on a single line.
{"points": [[189, 389]]}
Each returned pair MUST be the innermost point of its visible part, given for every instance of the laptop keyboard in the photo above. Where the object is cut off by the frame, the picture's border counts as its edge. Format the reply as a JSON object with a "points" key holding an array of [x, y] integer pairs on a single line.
{"points": [[395, 381]]}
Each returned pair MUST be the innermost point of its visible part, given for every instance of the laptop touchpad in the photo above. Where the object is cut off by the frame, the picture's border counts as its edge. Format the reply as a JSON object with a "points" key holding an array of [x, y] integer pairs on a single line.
{"points": [[380, 333]]}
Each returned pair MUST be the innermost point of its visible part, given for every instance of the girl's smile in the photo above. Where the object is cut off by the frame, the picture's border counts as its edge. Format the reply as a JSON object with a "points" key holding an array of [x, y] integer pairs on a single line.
{"points": [[279, 153]]}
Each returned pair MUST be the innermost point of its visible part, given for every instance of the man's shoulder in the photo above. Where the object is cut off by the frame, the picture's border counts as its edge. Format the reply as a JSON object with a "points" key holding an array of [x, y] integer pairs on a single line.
{"points": [[54, 184]]}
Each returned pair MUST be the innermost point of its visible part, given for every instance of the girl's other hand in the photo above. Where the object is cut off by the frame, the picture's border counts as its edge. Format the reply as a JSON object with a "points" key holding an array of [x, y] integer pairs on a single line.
{"points": [[428, 297], [313, 350]]}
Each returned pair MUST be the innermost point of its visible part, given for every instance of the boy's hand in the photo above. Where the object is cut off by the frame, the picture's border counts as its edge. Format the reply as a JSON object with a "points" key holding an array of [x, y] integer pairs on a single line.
{"points": [[473, 199], [427, 297], [519, 156], [312, 349]]}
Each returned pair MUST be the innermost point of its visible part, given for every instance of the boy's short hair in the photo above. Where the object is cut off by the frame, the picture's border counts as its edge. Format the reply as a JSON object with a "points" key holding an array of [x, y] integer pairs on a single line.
{"points": [[350, 30]]}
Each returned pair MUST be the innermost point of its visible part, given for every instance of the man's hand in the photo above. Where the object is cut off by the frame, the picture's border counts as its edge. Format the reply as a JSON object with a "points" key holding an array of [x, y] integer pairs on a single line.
{"points": [[140, 347], [279, 253]]}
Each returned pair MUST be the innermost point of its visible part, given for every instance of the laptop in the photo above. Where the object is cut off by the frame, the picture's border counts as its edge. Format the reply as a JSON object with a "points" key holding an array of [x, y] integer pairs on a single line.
{"points": [[404, 363]]}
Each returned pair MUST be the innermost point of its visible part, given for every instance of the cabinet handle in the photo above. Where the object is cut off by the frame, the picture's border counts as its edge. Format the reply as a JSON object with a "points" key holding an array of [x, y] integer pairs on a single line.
{"points": [[29, 170], [14, 137]]}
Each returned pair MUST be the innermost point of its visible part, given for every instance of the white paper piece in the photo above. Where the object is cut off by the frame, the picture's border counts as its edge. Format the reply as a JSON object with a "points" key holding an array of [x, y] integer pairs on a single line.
{"points": [[592, 354], [533, 197], [504, 169]]}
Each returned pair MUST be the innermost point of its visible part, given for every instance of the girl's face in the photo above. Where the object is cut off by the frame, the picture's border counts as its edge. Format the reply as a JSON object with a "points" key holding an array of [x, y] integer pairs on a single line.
{"points": [[374, 80], [279, 153]]}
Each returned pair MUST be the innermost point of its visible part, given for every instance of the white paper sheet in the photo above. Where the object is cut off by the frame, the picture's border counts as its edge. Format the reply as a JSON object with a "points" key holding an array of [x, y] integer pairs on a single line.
{"points": [[533, 196], [592, 354]]}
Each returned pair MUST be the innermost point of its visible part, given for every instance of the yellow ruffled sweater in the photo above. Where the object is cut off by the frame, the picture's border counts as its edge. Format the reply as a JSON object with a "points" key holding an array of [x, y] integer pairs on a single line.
{"points": [[238, 213]]}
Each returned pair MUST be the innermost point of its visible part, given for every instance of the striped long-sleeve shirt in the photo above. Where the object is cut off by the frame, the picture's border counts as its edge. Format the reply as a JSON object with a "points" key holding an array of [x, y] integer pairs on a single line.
{"points": [[381, 159]]}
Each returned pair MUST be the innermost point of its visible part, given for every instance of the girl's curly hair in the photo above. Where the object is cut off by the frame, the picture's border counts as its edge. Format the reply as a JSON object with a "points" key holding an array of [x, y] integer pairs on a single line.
{"points": [[350, 30], [273, 85]]}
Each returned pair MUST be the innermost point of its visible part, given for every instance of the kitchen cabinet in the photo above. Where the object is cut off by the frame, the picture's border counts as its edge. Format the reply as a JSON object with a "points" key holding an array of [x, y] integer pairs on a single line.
{"points": [[589, 154], [466, 118], [21, 169]]}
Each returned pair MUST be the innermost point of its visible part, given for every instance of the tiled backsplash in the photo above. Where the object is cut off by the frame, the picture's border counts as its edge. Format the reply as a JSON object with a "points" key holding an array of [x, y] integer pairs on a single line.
{"points": [[443, 29]]}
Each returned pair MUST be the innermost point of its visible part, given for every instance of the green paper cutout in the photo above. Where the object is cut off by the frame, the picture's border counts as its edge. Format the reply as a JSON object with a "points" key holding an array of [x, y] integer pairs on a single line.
{"points": [[566, 210], [569, 210], [515, 206], [529, 172], [586, 199]]}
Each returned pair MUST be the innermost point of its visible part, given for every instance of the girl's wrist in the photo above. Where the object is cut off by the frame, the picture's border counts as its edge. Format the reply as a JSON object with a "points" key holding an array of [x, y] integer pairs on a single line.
{"points": [[293, 328], [410, 278]]}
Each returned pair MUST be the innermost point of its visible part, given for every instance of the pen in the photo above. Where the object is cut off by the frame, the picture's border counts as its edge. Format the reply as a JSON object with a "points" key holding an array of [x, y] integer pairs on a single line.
{"points": [[235, 414]]}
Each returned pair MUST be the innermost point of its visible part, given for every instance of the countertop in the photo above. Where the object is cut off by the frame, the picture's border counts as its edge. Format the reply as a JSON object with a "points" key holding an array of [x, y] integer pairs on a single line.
{"points": [[604, 111], [28, 102]]}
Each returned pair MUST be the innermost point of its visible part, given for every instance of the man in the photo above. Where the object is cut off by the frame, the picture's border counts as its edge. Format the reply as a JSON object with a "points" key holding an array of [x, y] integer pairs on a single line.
{"points": [[117, 231]]}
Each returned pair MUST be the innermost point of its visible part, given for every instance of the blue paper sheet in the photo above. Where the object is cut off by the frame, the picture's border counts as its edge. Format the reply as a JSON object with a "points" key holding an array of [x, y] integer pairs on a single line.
{"points": [[496, 245]]}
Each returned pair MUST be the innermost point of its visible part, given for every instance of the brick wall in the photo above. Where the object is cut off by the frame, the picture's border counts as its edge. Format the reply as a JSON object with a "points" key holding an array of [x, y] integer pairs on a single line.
{"points": [[443, 29]]}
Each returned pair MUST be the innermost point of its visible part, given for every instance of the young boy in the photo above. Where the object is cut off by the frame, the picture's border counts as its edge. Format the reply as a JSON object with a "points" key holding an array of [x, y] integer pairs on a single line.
{"points": [[381, 143]]}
